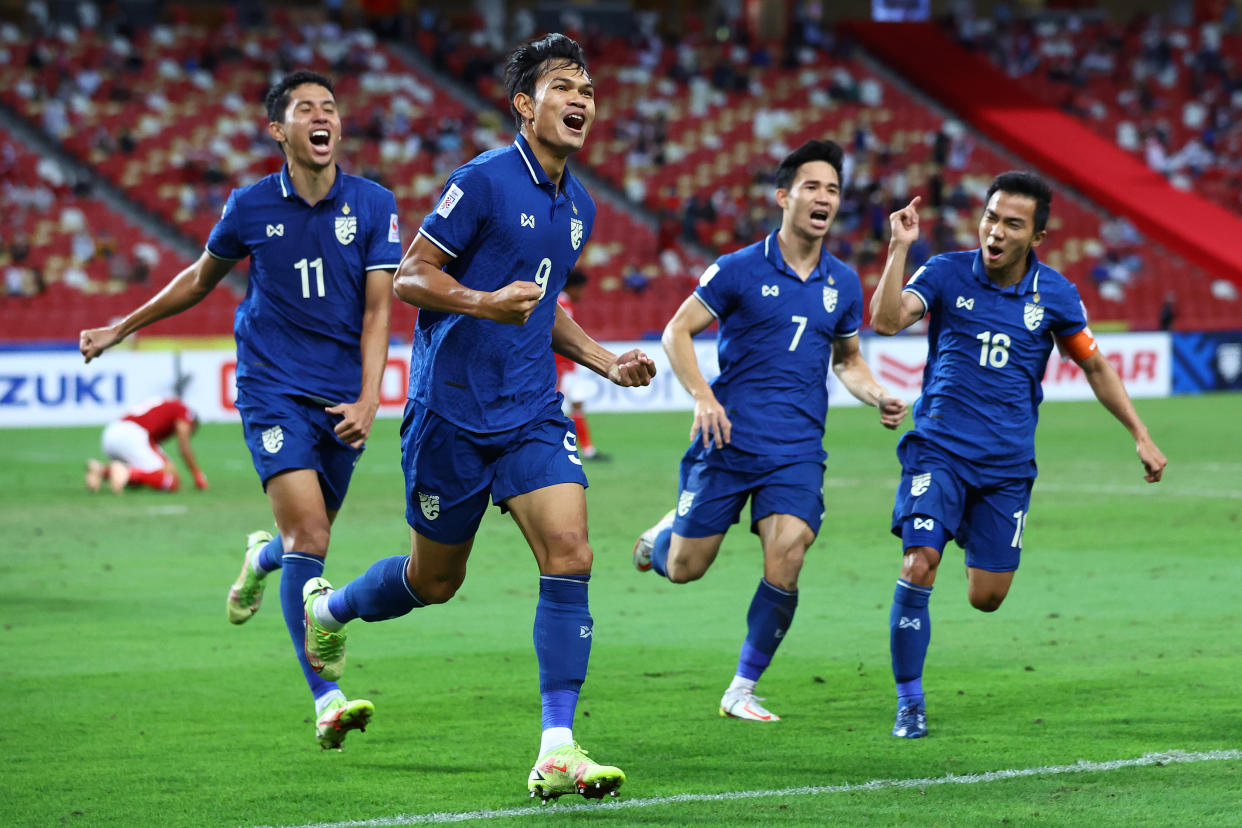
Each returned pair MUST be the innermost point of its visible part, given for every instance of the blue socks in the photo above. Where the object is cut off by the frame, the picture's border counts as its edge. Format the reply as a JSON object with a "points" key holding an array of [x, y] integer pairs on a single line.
{"points": [[659, 551], [909, 628], [563, 631], [771, 612], [270, 555], [296, 570], [380, 593]]}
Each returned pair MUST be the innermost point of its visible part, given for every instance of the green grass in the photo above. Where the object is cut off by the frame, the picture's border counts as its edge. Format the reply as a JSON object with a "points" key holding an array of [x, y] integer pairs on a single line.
{"points": [[133, 702]]}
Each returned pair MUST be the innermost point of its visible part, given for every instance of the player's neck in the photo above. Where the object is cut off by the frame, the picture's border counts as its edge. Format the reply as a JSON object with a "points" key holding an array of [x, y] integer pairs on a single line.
{"points": [[1010, 275], [553, 164], [800, 252], [312, 185]]}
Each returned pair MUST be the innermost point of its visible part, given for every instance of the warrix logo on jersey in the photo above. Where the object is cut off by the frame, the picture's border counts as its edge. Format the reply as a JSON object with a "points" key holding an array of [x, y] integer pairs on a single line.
{"points": [[273, 439]]}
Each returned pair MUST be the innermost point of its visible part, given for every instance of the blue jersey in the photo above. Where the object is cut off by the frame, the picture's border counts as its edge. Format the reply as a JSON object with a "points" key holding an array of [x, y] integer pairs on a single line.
{"points": [[299, 328], [502, 221], [775, 344], [987, 349]]}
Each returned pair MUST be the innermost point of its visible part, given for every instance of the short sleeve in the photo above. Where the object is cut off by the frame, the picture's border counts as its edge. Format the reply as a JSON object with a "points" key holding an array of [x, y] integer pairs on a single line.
{"points": [[225, 242], [717, 290], [1072, 315], [851, 319], [927, 282], [463, 210], [384, 250]]}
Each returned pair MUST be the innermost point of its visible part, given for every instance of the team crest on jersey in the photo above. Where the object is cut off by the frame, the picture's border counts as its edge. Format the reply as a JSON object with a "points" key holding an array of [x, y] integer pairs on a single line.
{"points": [[830, 299], [346, 228], [920, 483], [273, 439], [684, 502], [1032, 316], [575, 232], [430, 504]]}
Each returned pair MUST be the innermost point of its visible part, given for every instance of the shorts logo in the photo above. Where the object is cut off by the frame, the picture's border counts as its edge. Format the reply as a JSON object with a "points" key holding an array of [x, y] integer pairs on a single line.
{"points": [[575, 232], [571, 445], [920, 483], [926, 524], [684, 502], [910, 623], [449, 201], [830, 299], [346, 228], [430, 504], [273, 439], [1032, 315], [584, 631]]}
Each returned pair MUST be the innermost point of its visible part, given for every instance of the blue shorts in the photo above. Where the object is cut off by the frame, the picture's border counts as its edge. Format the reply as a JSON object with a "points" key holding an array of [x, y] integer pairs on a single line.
{"points": [[716, 483], [285, 432], [450, 472], [942, 496]]}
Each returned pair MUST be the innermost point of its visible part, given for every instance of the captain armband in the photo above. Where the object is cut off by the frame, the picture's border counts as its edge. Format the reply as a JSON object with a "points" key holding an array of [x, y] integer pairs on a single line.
{"points": [[1078, 346]]}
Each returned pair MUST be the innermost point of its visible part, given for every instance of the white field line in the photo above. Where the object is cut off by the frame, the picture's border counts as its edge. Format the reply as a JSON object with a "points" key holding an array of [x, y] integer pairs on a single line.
{"points": [[1081, 766]]}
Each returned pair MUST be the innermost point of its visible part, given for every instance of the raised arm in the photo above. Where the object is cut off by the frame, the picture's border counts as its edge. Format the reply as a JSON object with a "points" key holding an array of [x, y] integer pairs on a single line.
{"points": [[185, 290], [358, 416], [422, 282], [892, 311], [569, 340], [1111, 392], [854, 373], [711, 423]]}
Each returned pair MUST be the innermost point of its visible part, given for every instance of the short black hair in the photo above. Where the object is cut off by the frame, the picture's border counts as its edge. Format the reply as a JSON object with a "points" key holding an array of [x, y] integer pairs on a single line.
{"points": [[575, 277], [812, 150], [277, 98], [1025, 183], [530, 60]]}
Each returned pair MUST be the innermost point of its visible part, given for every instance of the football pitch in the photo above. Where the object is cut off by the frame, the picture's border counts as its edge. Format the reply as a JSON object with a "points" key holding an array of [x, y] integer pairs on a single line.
{"points": [[1104, 691]]}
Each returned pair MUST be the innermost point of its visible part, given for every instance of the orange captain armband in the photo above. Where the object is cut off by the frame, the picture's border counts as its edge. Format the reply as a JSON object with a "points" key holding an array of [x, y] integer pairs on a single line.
{"points": [[1078, 346]]}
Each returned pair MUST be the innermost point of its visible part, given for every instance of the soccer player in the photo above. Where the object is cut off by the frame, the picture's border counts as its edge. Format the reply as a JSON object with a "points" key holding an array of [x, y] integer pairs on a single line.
{"points": [[969, 462], [312, 343], [567, 376], [132, 446], [483, 416], [788, 309]]}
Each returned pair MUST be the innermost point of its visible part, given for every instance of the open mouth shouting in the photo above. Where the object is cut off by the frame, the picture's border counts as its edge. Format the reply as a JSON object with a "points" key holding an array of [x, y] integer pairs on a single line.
{"points": [[576, 121], [321, 142], [992, 253], [820, 217]]}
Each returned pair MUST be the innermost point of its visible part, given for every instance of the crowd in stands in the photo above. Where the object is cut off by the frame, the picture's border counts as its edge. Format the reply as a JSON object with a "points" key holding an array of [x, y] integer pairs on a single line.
{"points": [[689, 130]]}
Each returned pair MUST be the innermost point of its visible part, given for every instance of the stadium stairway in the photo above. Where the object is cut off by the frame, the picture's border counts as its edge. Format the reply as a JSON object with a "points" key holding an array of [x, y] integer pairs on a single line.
{"points": [[1191, 226]]}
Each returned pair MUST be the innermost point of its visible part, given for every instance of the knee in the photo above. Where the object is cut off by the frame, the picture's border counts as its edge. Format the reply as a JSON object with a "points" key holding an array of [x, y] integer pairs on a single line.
{"points": [[987, 602], [437, 591], [919, 565], [570, 559], [309, 537], [680, 573]]}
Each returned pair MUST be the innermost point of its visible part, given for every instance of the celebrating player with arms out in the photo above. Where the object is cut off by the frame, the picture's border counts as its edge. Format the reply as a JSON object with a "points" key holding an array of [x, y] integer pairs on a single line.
{"points": [[312, 343], [787, 309], [484, 417], [969, 463]]}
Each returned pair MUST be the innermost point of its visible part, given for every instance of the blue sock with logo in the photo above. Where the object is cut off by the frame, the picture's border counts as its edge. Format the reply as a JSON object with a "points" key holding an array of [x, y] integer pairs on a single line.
{"points": [[771, 612], [563, 631], [659, 551], [269, 557], [909, 631], [380, 593], [296, 569]]}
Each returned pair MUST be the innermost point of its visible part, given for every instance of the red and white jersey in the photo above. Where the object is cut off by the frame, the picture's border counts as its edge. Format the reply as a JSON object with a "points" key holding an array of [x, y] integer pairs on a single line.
{"points": [[158, 417], [563, 364]]}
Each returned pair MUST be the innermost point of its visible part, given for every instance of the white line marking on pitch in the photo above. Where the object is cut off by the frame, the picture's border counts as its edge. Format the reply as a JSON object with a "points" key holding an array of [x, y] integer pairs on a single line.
{"points": [[1081, 766]]}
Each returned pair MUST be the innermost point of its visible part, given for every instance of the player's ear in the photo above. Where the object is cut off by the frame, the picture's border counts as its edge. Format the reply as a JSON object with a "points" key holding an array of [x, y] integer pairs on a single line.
{"points": [[1039, 237], [277, 131], [782, 197], [525, 106]]}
